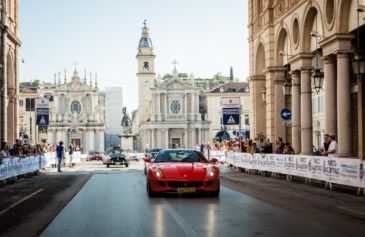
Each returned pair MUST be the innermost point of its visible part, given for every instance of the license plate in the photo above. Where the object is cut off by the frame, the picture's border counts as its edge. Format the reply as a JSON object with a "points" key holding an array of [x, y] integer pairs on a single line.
{"points": [[186, 190]]}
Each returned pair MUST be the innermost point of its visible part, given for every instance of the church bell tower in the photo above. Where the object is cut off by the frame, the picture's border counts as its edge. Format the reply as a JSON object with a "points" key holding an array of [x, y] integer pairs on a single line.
{"points": [[146, 74]]}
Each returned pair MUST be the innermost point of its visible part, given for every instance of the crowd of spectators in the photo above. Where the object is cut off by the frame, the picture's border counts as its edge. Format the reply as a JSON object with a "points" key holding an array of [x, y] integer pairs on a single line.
{"points": [[245, 145], [23, 150]]}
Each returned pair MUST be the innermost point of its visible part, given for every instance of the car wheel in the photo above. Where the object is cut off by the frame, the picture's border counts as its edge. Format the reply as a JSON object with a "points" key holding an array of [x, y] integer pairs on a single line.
{"points": [[127, 165], [149, 190], [215, 193]]}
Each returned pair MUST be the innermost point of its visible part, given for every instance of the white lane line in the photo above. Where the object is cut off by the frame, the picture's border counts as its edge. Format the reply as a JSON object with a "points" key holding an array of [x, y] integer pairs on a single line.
{"points": [[179, 220], [20, 201]]}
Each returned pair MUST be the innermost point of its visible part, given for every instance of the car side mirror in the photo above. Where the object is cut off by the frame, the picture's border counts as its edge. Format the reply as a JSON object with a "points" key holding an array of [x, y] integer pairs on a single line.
{"points": [[213, 160]]}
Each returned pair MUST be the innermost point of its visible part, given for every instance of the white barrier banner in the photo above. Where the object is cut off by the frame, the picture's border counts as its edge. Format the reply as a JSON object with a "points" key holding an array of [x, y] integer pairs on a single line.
{"points": [[271, 162], [290, 165], [280, 164], [245, 160], [12, 167], [349, 170], [315, 167], [262, 161], [302, 166], [331, 169]]}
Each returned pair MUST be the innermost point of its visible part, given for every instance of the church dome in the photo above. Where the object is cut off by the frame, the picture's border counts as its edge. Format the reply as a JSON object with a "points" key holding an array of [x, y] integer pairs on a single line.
{"points": [[145, 42]]}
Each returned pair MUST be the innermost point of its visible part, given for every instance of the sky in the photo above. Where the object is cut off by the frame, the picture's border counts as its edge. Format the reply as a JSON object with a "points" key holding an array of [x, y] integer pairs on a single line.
{"points": [[204, 36]]}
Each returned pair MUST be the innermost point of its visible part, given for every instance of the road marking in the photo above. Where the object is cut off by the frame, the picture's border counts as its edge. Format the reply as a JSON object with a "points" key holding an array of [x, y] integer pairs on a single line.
{"points": [[179, 220], [20, 201]]}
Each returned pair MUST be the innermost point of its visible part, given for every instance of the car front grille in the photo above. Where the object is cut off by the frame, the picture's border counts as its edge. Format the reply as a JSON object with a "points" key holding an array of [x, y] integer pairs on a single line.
{"points": [[183, 184]]}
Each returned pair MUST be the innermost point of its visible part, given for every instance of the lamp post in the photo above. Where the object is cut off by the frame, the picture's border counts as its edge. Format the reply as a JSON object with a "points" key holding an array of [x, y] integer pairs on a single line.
{"points": [[317, 77], [30, 128]]}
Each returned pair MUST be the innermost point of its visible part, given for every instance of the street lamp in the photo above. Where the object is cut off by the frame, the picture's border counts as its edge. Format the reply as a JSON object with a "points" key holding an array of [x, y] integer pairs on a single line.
{"points": [[287, 84], [317, 77], [263, 95]]}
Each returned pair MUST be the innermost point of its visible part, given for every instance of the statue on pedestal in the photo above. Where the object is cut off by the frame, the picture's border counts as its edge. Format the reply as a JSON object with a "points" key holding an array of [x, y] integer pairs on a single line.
{"points": [[126, 122]]}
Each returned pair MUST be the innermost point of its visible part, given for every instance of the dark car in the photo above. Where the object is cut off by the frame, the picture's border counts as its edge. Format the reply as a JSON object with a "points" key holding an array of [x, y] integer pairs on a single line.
{"points": [[152, 153], [94, 155], [117, 157]]}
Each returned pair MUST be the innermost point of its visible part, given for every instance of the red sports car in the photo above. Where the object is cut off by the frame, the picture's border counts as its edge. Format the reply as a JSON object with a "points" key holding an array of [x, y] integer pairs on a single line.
{"points": [[182, 171]]}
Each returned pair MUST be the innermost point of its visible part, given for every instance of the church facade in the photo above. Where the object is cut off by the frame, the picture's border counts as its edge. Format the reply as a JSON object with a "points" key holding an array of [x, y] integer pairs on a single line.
{"points": [[77, 114], [168, 113]]}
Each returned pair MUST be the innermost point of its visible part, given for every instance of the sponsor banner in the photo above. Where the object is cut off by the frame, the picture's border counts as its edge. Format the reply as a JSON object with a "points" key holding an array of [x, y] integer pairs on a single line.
{"points": [[331, 169], [280, 164], [350, 172], [271, 162], [290, 164], [12, 167], [344, 171], [262, 161], [302, 166], [316, 167]]}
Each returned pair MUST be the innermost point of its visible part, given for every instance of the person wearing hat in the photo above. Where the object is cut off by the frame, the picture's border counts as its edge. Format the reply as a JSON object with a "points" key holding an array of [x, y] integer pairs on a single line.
{"points": [[326, 143], [333, 147]]}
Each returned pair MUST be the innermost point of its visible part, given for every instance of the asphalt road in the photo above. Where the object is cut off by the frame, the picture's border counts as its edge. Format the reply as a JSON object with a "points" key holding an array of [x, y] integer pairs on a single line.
{"points": [[92, 200], [116, 204]]}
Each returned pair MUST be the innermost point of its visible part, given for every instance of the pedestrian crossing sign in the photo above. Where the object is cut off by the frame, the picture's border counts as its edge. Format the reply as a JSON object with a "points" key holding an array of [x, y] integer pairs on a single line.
{"points": [[231, 120]]}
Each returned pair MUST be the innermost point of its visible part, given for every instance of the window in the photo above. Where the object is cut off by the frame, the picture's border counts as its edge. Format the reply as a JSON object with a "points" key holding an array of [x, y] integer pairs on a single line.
{"points": [[21, 103], [75, 107], [175, 106], [146, 66], [247, 120], [29, 104]]}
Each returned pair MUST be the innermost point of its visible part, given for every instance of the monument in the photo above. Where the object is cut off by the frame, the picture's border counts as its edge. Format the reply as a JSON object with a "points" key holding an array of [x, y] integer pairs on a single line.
{"points": [[126, 137]]}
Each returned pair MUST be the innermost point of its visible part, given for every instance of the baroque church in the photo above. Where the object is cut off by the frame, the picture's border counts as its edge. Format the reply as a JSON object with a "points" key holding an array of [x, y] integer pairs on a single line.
{"points": [[168, 114], [77, 114]]}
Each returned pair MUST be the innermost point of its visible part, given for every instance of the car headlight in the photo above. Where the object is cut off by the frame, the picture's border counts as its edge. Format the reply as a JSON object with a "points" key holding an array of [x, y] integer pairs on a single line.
{"points": [[157, 172], [211, 173]]}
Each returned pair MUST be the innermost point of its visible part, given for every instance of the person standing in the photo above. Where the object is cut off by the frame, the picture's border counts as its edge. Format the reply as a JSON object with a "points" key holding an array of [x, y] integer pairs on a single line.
{"points": [[71, 149], [279, 146], [60, 151], [326, 143], [333, 147]]}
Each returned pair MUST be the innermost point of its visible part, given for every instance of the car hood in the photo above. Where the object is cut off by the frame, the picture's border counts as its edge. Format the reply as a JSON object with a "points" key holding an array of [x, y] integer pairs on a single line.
{"points": [[183, 170]]}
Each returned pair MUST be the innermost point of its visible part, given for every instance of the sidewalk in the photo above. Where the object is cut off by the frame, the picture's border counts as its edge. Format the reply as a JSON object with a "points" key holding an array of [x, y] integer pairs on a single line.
{"points": [[279, 191]]}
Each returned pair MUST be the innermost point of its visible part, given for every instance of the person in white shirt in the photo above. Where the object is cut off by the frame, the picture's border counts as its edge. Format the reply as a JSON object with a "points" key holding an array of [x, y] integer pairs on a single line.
{"points": [[333, 147]]}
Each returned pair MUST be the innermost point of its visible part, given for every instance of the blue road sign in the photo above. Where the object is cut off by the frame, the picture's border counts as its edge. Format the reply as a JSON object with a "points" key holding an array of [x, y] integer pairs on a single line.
{"points": [[231, 116], [42, 117], [285, 114]]}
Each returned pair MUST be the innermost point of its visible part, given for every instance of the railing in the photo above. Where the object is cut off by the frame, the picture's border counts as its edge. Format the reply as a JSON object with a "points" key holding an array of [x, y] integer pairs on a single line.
{"points": [[12, 167]]}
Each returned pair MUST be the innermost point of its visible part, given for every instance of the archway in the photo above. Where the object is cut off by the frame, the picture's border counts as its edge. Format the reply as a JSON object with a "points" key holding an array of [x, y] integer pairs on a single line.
{"points": [[260, 60]]}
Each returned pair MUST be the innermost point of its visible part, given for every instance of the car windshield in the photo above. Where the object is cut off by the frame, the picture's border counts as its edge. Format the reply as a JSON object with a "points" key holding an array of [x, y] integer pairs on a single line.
{"points": [[180, 156]]}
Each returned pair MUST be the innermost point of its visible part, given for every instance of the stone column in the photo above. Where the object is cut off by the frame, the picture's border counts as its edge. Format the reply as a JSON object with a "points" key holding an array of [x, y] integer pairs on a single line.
{"points": [[153, 145], [167, 138], [186, 135], [153, 109], [279, 100], [166, 112], [330, 95], [296, 111], [159, 138], [186, 106], [192, 105], [158, 107], [344, 131], [199, 141], [193, 138], [306, 112], [361, 118], [91, 139]]}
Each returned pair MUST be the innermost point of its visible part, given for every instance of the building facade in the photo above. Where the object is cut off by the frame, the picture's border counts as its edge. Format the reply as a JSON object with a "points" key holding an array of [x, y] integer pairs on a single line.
{"points": [[113, 115], [169, 110], [77, 114], [214, 110], [297, 41], [9, 82]]}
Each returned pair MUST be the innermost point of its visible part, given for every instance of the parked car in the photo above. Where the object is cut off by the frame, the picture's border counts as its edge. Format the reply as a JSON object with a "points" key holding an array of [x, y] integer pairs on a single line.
{"points": [[94, 155], [133, 155], [116, 156], [152, 153]]}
